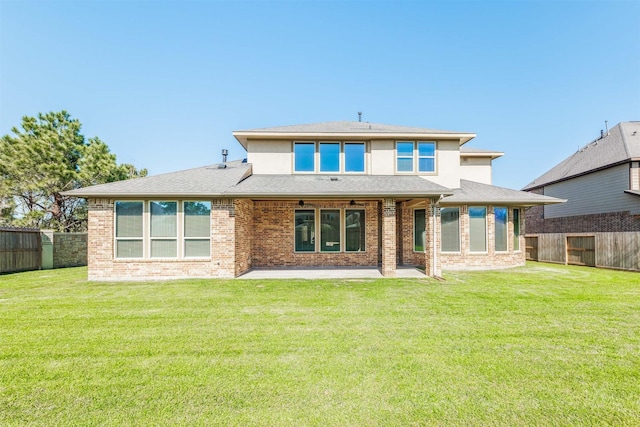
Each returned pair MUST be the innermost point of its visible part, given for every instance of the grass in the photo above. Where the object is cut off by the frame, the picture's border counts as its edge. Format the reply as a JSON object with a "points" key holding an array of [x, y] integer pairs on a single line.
{"points": [[539, 345]]}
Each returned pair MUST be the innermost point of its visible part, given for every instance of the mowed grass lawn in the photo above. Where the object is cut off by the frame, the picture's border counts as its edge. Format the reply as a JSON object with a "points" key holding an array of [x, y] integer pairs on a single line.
{"points": [[539, 345]]}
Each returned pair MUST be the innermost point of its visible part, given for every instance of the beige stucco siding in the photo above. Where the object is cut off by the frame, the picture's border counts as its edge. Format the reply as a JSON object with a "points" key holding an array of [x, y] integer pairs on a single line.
{"points": [[270, 157], [598, 192], [447, 164], [477, 169], [383, 157]]}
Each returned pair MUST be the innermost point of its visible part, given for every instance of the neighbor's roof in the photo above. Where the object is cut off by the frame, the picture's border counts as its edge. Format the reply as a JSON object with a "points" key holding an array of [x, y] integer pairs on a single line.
{"points": [[273, 186], [346, 129], [621, 144], [209, 180], [471, 192]]}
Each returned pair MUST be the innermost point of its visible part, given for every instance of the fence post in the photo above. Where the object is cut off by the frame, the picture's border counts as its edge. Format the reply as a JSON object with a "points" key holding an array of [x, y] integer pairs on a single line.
{"points": [[47, 249]]}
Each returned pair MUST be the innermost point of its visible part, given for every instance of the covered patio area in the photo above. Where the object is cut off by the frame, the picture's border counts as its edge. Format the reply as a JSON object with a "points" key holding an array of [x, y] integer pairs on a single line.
{"points": [[402, 272]]}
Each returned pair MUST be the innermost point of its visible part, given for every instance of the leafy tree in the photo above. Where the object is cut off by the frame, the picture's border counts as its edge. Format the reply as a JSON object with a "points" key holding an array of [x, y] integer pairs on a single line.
{"points": [[46, 157]]}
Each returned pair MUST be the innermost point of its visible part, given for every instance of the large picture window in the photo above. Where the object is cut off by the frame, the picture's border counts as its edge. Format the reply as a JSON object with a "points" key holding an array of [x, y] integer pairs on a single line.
{"points": [[477, 229], [329, 157], [354, 157], [450, 227], [329, 230], [516, 229], [501, 229], [304, 156], [129, 229], [164, 229], [354, 230], [197, 229], [305, 230], [419, 230], [153, 229]]}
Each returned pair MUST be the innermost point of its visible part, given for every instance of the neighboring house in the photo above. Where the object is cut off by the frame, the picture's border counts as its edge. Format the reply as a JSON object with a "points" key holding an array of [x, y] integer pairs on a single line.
{"points": [[601, 182], [325, 194]]}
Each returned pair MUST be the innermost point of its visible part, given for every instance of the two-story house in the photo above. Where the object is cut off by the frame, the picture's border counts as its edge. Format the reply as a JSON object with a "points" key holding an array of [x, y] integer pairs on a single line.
{"points": [[601, 182], [325, 194]]}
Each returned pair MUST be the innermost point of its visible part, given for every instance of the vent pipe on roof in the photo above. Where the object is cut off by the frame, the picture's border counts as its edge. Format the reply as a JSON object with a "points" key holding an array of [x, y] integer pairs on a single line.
{"points": [[601, 134], [606, 126], [225, 153], [359, 116]]}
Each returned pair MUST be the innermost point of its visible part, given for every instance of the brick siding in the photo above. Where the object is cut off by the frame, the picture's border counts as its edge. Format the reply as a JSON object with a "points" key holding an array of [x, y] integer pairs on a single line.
{"points": [[273, 236]]}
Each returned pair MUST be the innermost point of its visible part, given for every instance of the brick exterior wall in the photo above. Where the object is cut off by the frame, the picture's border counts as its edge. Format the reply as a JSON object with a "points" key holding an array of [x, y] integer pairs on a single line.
{"points": [[243, 235], [274, 238], [389, 236], [103, 265], [69, 249], [248, 234], [490, 259]]}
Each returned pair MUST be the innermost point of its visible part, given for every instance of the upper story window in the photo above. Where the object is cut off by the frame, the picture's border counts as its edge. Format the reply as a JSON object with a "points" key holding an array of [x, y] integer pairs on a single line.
{"points": [[329, 157], [304, 156], [416, 156]]}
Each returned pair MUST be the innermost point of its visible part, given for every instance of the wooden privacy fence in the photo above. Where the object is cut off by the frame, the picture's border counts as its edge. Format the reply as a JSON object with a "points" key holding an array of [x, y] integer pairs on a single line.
{"points": [[619, 250], [20, 249]]}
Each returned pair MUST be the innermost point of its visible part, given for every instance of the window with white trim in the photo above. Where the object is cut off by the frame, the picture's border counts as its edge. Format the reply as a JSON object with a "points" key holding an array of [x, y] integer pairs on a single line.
{"points": [[197, 229], [416, 156], [477, 228], [634, 176], [501, 228], [450, 229], [153, 229], [129, 229], [329, 157]]}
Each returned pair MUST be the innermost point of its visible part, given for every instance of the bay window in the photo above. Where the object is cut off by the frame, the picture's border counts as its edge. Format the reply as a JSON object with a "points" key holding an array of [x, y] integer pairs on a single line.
{"points": [[516, 229]]}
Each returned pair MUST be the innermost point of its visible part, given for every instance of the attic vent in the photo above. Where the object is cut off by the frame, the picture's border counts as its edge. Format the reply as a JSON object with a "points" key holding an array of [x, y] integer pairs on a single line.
{"points": [[334, 178], [222, 166]]}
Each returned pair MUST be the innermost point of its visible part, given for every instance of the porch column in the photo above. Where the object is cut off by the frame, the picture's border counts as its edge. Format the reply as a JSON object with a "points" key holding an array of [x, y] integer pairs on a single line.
{"points": [[388, 219], [433, 265]]}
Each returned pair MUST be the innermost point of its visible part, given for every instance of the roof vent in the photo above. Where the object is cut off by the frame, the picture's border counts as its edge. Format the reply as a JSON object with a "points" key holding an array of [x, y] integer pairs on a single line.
{"points": [[225, 153], [334, 178], [222, 166]]}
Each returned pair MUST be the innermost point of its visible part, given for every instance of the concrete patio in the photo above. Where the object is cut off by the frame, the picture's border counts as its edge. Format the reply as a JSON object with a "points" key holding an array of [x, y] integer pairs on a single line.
{"points": [[402, 272]]}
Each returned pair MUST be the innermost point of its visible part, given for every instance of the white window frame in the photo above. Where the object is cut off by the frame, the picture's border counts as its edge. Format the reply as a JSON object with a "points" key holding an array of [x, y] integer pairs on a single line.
{"points": [[146, 231], [412, 157], [183, 227], [418, 156], [486, 229], [459, 230], [116, 239], [316, 159], [343, 158]]}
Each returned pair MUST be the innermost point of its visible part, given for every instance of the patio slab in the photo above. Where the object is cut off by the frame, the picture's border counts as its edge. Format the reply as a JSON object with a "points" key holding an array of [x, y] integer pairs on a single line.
{"points": [[329, 273]]}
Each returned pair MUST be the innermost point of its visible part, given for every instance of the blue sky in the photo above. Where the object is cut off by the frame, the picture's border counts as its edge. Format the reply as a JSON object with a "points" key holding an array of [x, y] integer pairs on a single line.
{"points": [[165, 83]]}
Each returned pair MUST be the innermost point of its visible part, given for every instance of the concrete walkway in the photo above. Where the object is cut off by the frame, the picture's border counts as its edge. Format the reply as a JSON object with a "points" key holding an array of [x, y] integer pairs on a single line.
{"points": [[329, 273]]}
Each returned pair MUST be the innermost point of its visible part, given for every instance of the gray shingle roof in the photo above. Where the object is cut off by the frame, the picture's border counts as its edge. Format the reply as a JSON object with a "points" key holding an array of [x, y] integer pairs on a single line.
{"points": [[271, 186], [474, 192], [621, 144], [203, 181], [347, 129]]}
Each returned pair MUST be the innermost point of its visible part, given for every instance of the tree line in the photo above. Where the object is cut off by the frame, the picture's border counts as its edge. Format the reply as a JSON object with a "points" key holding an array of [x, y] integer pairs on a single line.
{"points": [[44, 157]]}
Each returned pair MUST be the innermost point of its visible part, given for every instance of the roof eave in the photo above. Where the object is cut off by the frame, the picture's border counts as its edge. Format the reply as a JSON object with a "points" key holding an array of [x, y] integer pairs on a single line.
{"points": [[244, 136]]}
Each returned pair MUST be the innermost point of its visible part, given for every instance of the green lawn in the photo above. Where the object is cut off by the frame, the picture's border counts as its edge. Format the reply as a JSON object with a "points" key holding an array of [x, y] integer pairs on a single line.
{"points": [[540, 345]]}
